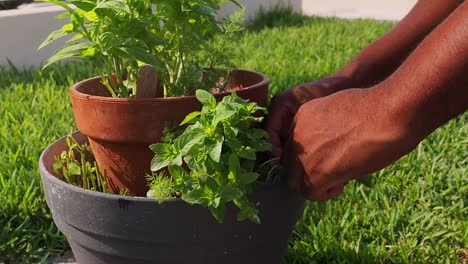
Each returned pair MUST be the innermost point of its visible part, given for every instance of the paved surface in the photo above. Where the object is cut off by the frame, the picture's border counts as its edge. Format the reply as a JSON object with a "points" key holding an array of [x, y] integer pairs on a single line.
{"points": [[375, 9]]}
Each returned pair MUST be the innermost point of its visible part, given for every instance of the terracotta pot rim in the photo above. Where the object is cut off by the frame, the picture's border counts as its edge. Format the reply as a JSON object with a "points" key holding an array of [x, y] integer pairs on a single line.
{"points": [[74, 92]]}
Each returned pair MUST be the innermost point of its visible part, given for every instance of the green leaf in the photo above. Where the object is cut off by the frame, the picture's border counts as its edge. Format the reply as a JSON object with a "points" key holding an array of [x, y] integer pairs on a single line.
{"points": [[142, 55], [258, 133], [234, 164], [247, 211], [220, 116], [248, 153], [57, 165], [229, 193], [206, 98], [63, 15], [187, 140], [191, 118], [248, 178], [164, 156], [114, 5], [84, 5], [196, 196], [72, 51], [261, 145], [62, 4], [215, 153], [73, 168], [52, 37], [108, 40], [218, 212], [177, 171]]}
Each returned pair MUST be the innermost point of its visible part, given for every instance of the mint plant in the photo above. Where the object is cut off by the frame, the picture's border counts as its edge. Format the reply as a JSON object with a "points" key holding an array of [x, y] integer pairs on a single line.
{"points": [[177, 37], [213, 161]]}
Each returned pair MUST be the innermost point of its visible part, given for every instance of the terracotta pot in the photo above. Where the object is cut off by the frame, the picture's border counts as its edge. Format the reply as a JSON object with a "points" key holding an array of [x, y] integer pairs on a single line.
{"points": [[121, 129]]}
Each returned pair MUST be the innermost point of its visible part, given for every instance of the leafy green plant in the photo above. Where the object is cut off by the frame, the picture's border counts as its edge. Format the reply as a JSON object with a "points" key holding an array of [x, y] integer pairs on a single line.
{"points": [[77, 167], [177, 37], [161, 187], [213, 161]]}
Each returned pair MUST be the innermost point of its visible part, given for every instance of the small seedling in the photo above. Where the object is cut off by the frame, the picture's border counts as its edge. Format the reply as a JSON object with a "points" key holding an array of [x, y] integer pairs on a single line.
{"points": [[76, 166]]}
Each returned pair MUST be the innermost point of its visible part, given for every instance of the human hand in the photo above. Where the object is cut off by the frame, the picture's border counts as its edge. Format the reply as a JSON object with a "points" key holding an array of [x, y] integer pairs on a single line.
{"points": [[284, 106], [342, 137]]}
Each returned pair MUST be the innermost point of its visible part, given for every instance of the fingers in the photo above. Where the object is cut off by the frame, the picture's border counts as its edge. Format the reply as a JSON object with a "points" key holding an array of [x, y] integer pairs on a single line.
{"points": [[293, 166], [276, 123], [323, 194]]}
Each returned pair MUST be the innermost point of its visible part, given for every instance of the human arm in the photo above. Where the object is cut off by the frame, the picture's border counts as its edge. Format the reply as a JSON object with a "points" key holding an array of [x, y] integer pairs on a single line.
{"points": [[355, 132], [372, 65]]}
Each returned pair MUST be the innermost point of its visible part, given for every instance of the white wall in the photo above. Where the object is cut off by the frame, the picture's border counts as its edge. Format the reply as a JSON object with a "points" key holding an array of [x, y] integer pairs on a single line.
{"points": [[377, 9], [252, 6], [22, 31]]}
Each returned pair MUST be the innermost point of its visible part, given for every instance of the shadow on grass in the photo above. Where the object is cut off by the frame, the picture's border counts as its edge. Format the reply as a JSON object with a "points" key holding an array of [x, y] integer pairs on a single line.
{"points": [[278, 16]]}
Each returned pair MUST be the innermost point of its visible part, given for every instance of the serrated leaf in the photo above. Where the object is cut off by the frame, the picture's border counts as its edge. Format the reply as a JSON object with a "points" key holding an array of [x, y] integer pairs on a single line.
{"points": [[177, 171], [187, 140], [164, 156], [196, 196], [108, 40], [206, 98], [248, 178], [191, 118]]}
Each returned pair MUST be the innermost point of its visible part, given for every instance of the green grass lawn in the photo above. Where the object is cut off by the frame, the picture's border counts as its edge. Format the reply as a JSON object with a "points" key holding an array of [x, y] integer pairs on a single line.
{"points": [[411, 212]]}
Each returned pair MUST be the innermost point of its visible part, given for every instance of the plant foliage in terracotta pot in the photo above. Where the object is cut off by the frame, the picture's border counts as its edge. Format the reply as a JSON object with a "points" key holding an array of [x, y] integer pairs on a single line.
{"points": [[151, 56]]}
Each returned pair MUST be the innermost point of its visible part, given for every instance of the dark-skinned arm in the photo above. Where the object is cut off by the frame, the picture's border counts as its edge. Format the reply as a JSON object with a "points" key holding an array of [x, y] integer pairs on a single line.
{"points": [[356, 132], [372, 65]]}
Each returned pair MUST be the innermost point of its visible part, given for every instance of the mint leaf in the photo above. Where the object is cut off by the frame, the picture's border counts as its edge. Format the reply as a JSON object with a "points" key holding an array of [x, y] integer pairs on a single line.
{"points": [[229, 193], [248, 178], [186, 141], [196, 197], [164, 156]]}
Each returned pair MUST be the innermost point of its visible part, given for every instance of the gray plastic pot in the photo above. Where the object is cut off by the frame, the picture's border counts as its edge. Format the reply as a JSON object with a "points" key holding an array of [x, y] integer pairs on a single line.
{"points": [[107, 228]]}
